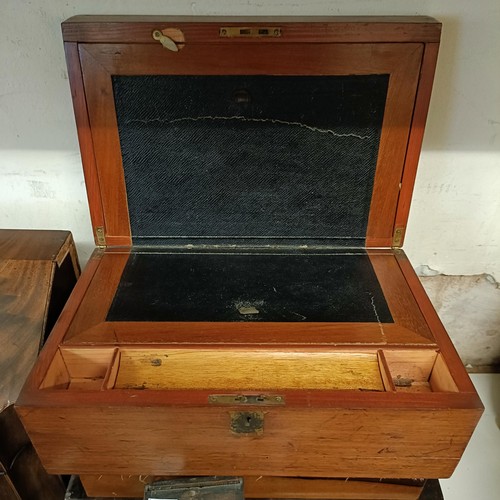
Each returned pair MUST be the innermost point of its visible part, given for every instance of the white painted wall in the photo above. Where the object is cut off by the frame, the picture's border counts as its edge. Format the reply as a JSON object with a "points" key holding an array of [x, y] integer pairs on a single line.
{"points": [[453, 225]]}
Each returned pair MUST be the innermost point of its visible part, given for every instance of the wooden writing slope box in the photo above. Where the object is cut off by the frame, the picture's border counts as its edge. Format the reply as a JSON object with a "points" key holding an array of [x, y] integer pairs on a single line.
{"points": [[249, 310]]}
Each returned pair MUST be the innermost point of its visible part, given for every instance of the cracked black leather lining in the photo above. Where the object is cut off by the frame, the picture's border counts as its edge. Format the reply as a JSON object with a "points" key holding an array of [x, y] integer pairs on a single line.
{"points": [[262, 157], [249, 287]]}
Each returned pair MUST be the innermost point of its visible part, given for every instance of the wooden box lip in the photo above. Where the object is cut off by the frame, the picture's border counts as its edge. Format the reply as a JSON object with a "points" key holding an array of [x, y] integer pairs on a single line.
{"points": [[32, 395], [127, 28], [90, 42]]}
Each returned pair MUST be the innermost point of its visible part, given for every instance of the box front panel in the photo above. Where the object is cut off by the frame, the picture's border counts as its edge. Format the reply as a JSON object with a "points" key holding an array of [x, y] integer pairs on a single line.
{"points": [[292, 442]]}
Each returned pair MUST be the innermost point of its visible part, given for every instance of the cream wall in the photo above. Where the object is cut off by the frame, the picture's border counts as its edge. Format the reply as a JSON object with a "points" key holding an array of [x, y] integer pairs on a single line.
{"points": [[453, 226]]}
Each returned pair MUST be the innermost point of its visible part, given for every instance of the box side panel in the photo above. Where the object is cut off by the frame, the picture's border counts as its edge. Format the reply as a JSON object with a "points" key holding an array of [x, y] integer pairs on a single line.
{"points": [[293, 442]]}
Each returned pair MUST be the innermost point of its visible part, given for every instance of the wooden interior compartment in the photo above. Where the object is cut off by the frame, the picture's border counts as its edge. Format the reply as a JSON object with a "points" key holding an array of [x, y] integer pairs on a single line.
{"points": [[417, 370], [256, 369], [399, 370], [219, 369], [81, 369]]}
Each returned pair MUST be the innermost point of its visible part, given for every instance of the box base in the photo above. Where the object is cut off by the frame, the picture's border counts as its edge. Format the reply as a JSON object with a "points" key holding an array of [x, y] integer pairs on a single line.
{"points": [[104, 486]]}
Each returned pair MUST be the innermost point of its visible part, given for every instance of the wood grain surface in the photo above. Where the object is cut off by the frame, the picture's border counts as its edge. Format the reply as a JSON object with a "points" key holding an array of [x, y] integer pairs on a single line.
{"points": [[256, 370], [129, 486], [24, 292], [28, 261], [32, 265], [138, 29], [380, 442]]}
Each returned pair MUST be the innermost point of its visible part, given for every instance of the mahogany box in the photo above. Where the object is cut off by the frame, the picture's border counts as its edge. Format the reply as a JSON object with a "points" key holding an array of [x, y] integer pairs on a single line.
{"points": [[249, 309]]}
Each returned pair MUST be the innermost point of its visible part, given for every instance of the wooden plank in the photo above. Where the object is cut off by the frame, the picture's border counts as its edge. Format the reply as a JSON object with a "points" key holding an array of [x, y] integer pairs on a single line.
{"points": [[32, 244], [392, 148], [256, 370], [449, 352], [441, 379], [84, 136], [382, 442], [106, 149], [239, 333], [129, 486], [400, 300], [385, 372], [338, 489], [101, 289], [57, 375], [51, 346], [416, 135], [138, 29], [87, 363], [57, 398], [24, 294]]}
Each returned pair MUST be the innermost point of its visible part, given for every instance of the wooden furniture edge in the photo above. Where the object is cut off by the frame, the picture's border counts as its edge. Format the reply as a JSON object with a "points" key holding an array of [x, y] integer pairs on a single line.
{"points": [[45, 358], [417, 130], [445, 344], [138, 29], [268, 486], [85, 140], [48, 399]]}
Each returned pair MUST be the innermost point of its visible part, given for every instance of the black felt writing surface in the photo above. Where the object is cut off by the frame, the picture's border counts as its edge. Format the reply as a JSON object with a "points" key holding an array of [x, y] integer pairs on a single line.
{"points": [[249, 157], [249, 287]]}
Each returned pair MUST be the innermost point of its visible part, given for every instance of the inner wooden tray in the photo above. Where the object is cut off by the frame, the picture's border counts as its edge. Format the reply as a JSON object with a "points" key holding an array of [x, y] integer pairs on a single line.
{"points": [[233, 370]]}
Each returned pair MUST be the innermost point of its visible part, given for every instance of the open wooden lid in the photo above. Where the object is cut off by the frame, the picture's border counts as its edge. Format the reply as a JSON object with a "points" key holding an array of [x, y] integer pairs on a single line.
{"points": [[261, 132]]}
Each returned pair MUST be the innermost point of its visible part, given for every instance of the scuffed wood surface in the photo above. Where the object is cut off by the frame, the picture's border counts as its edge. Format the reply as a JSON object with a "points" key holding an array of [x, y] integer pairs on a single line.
{"points": [[28, 260], [247, 370], [24, 290], [383, 442], [128, 486]]}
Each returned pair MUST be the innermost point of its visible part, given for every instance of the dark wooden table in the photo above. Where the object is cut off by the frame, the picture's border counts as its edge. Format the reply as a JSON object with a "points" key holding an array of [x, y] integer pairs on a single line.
{"points": [[38, 270]]}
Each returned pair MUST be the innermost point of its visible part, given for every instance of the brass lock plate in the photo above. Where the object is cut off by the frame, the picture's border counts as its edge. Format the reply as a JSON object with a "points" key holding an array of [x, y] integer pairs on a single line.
{"points": [[247, 422]]}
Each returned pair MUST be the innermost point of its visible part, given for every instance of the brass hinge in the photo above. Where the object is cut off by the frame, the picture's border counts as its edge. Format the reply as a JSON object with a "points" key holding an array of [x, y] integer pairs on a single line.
{"points": [[397, 239], [100, 238]]}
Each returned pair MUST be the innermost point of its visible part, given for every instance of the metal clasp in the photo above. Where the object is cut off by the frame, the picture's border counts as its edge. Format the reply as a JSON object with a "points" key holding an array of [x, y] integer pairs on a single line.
{"points": [[252, 32], [171, 38], [246, 399]]}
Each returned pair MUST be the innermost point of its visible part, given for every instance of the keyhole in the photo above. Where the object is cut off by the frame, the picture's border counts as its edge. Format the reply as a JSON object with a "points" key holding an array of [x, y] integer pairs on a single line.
{"points": [[249, 420]]}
